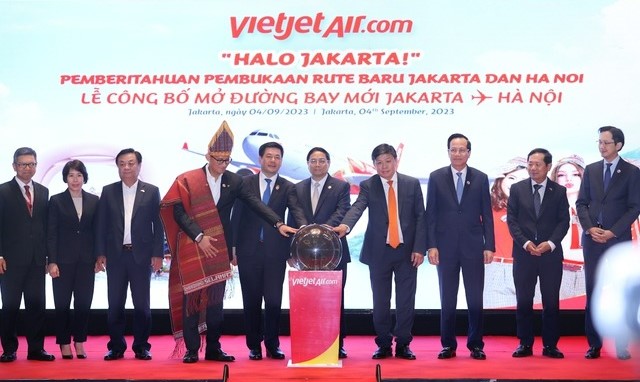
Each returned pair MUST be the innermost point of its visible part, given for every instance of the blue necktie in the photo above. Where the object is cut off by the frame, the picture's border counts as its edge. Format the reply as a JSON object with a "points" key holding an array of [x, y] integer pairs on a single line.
{"points": [[265, 199], [607, 176], [536, 198], [459, 186]]}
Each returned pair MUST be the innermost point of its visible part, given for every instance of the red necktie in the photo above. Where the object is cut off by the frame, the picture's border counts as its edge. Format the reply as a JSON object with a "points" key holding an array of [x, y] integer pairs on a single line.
{"points": [[394, 231], [28, 198]]}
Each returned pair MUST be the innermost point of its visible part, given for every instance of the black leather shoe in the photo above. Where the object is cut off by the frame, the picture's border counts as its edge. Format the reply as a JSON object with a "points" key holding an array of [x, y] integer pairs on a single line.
{"points": [[191, 356], [477, 353], [592, 353], [523, 351], [382, 352], [40, 355], [275, 353], [8, 357], [552, 352], [623, 354], [405, 353], [255, 354], [113, 355], [144, 355], [218, 355], [446, 353], [342, 354]]}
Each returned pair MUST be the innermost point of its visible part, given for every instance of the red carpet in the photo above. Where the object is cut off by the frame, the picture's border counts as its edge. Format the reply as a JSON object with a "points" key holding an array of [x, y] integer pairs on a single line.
{"points": [[358, 367]]}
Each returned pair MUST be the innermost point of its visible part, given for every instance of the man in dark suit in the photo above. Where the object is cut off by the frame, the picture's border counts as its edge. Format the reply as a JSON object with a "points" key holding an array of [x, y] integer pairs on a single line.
{"points": [[210, 188], [129, 246], [608, 204], [393, 248], [263, 253], [23, 257], [538, 219], [460, 236], [325, 200]]}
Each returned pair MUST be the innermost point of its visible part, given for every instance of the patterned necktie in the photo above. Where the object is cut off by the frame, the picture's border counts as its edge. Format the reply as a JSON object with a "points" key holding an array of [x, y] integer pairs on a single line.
{"points": [[28, 199], [536, 198], [394, 231], [459, 186], [607, 176], [315, 196], [265, 199]]}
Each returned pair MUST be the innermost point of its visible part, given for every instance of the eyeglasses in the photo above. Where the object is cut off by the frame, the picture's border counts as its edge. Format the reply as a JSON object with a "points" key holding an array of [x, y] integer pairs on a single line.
{"points": [[318, 161], [27, 165], [222, 161], [605, 143], [458, 151]]}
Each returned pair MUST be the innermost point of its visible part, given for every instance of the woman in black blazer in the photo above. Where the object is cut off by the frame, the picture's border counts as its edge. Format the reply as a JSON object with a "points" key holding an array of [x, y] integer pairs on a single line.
{"points": [[71, 238]]}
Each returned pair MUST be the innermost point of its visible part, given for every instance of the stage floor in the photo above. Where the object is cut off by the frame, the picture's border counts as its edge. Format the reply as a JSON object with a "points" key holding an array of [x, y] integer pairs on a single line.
{"points": [[357, 367]]}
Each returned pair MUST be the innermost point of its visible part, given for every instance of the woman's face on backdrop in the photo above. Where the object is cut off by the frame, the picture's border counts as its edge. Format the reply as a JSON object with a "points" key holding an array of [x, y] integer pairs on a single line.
{"points": [[569, 177], [513, 177]]}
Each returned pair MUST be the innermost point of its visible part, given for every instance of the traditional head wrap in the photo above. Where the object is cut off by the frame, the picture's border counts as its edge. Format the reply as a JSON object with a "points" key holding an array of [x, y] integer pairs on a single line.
{"points": [[221, 143]]}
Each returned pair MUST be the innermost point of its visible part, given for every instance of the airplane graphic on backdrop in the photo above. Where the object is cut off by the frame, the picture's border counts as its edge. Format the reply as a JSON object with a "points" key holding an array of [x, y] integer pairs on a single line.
{"points": [[294, 164]]}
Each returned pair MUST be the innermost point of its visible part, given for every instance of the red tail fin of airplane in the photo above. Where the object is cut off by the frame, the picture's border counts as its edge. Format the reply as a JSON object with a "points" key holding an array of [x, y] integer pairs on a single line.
{"points": [[399, 152]]}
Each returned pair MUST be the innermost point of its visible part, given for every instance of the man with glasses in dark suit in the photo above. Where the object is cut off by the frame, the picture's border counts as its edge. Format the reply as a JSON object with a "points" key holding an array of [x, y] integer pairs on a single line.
{"points": [[23, 257], [608, 204]]}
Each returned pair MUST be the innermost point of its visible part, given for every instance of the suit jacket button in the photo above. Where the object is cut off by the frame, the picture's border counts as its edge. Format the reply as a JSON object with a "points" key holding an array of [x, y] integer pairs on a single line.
{"points": [[459, 212]]}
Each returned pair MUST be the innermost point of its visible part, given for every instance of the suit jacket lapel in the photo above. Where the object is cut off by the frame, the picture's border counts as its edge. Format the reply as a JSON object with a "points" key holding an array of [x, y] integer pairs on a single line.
{"points": [[548, 195], [600, 178], [224, 189], [327, 186], [306, 197], [67, 200], [19, 196], [467, 184], [451, 184], [400, 195], [616, 174], [529, 195]]}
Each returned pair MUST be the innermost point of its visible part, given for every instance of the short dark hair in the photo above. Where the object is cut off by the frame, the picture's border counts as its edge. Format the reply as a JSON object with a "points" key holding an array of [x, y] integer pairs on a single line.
{"points": [[547, 155], [129, 151], [74, 165], [383, 149], [617, 134], [24, 151], [270, 145], [458, 135], [318, 149]]}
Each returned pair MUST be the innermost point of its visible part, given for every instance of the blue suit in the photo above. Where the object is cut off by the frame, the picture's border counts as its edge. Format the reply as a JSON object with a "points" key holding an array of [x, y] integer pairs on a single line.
{"points": [[618, 207], [262, 262], [460, 232], [129, 268], [551, 224], [333, 204], [386, 262]]}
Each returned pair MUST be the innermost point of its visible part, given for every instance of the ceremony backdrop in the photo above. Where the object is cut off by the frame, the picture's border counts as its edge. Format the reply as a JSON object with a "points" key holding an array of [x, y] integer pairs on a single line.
{"points": [[84, 79]]}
